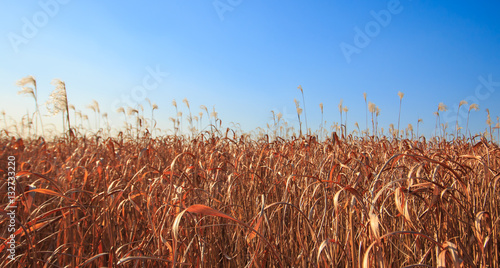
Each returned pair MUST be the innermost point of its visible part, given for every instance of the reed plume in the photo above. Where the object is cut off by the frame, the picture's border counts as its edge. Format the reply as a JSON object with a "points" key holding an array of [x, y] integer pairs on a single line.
{"points": [[94, 106], [345, 109], [418, 124], [366, 112], [303, 99], [33, 92], [130, 112], [474, 107], [340, 111], [463, 102], [58, 101], [299, 112], [190, 119], [401, 95], [441, 108], [321, 125], [372, 108], [488, 122]]}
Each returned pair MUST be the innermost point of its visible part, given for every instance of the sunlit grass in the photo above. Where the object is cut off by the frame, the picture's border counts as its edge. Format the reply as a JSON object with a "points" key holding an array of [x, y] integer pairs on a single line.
{"points": [[272, 198]]}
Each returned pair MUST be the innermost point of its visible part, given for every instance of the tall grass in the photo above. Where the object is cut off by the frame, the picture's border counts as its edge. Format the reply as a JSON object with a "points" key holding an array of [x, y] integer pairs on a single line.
{"points": [[305, 112], [401, 95], [474, 107], [224, 198], [58, 102], [366, 111], [33, 92]]}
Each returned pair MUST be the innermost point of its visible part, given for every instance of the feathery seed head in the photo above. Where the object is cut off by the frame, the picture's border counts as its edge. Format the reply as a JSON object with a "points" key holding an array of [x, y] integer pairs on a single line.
{"points": [[401, 95], [96, 105], [27, 91], [57, 100], [462, 102], [131, 111], [174, 103], [371, 107], [279, 116], [92, 107], [300, 87], [296, 103], [203, 107], [474, 107], [442, 107], [185, 100], [488, 121], [155, 106], [346, 109], [120, 110], [321, 107], [364, 96], [299, 110], [26, 80], [213, 113], [340, 105]]}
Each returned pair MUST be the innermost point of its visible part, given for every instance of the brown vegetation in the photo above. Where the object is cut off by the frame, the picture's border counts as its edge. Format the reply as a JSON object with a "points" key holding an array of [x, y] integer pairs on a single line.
{"points": [[227, 201]]}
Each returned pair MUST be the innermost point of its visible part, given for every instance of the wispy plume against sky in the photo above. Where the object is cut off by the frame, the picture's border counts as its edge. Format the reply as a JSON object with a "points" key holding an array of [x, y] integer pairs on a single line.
{"points": [[247, 58]]}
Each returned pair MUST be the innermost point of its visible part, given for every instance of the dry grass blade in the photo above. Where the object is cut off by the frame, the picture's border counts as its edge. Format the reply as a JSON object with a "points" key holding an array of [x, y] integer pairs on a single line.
{"points": [[366, 257], [265, 199], [452, 250], [208, 211], [93, 258], [145, 258]]}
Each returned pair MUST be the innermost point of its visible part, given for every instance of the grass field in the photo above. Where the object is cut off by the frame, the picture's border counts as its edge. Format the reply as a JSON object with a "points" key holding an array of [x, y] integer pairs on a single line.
{"points": [[217, 199]]}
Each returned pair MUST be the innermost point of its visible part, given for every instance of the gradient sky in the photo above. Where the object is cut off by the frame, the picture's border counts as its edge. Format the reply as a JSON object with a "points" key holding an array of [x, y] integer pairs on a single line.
{"points": [[247, 58]]}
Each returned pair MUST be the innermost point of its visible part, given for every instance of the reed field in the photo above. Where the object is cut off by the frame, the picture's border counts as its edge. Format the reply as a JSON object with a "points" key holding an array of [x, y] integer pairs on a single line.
{"points": [[222, 198]]}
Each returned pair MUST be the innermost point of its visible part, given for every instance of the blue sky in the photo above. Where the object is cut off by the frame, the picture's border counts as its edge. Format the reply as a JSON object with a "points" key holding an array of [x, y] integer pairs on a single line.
{"points": [[247, 58]]}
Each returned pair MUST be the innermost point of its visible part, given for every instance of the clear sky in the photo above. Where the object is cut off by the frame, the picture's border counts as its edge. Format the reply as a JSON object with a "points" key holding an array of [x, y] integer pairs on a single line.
{"points": [[247, 58]]}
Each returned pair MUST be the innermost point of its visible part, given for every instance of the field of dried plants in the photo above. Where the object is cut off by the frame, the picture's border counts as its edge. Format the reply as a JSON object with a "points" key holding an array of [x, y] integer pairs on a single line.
{"points": [[221, 198], [226, 200]]}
